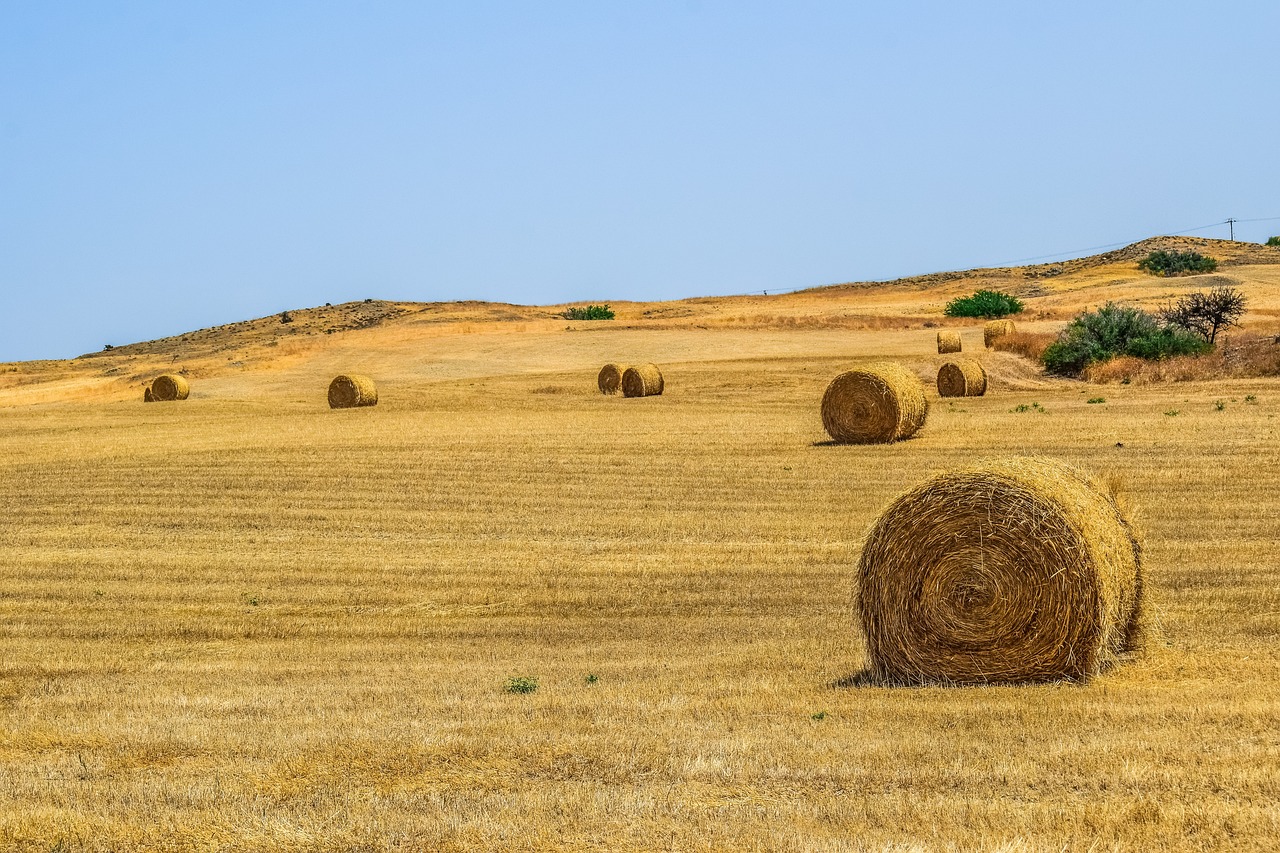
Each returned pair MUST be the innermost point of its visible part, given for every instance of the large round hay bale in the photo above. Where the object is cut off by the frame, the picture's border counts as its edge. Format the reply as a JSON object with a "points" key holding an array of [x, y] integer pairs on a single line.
{"points": [[996, 329], [949, 342], [1019, 569], [963, 378], [642, 380], [610, 379], [876, 404], [147, 396], [169, 387], [350, 391]]}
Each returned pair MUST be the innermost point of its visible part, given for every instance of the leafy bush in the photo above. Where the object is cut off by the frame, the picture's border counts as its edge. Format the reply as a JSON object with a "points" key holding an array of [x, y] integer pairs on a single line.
{"points": [[520, 684], [985, 303], [1116, 330], [1176, 263], [591, 312], [1274, 241]]}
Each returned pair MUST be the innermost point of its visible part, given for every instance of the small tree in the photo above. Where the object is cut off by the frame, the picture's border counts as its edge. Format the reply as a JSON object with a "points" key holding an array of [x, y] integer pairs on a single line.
{"points": [[990, 304], [1206, 314]]}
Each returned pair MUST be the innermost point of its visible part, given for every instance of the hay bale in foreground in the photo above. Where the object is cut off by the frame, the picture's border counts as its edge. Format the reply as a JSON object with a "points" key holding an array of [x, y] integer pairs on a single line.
{"points": [[610, 379], [949, 342], [147, 396], [963, 378], [996, 329], [642, 380], [350, 391], [169, 387], [876, 404], [1018, 569]]}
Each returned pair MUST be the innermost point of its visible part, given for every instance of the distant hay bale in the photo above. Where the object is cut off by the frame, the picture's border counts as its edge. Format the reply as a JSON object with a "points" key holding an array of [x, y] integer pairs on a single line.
{"points": [[610, 379], [1017, 569], [642, 380], [963, 378], [949, 342], [170, 387], [350, 391], [996, 329], [147, 396], [876, 404]]}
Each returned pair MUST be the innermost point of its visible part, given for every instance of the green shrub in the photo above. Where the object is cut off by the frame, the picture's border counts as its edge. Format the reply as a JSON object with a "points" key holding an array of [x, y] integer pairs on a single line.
{"points": [[1116, 330], [1274, 241], [1176, 263], [591, 312], [520, 684], [990, 304]]}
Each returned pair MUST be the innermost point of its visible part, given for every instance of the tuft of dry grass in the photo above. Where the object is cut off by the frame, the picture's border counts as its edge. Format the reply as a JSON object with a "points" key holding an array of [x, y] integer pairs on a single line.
{"points": [[1028, 344], [1018, 569], [1238, 356]]}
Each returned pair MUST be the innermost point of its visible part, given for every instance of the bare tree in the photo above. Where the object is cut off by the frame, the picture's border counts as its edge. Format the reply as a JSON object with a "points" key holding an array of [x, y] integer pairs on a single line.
{"points": [[1206, 314]]}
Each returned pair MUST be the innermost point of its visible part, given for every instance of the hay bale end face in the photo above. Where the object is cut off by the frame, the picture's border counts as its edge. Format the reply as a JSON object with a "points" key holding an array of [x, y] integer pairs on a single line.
{"points": [[876, 404], [147, 396], [996, 329], [642, 380], [610, 379], [949, 342], [1019, 569], [964, 378], [170, 387], [351, 391]]}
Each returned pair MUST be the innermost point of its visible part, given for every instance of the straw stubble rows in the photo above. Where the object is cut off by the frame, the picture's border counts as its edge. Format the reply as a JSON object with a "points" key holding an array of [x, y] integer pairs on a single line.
{"points": [[294, 634]]}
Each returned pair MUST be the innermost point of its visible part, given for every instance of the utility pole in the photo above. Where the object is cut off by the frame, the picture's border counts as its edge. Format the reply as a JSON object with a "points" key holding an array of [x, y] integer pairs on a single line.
{"points": [[1232, 223]]}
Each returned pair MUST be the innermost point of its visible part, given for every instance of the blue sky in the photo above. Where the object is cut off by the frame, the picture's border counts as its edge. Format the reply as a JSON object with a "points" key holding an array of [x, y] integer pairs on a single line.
{"points": [[171, 166]]}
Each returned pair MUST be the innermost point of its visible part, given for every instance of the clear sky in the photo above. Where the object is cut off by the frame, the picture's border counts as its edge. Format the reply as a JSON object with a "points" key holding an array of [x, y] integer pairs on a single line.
{"points": [[170, 166]]}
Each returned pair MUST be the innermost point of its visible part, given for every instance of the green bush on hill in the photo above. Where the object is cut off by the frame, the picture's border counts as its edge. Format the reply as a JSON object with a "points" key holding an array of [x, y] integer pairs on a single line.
{"points": [[990, 304], [591, 312], [1274, 241], [1115, 330], [1177, 263]]}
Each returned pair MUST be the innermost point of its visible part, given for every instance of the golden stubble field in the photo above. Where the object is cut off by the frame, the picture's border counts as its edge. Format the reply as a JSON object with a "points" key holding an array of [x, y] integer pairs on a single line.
{"points": [[245, 622]]}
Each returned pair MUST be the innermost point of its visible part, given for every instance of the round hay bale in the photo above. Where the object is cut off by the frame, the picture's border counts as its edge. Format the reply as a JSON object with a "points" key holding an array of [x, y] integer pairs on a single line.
{"points": [[170, 387], [949, 342], [1018, 569], [642, 380], [963, 378], [147, 396], [876, 404], [610, 379], [996, 329], [350, 391]]}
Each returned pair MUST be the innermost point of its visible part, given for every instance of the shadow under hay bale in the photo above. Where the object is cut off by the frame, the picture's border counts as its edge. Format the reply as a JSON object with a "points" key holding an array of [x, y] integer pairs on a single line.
{"points": [[169, 387], [880, 403], [610, 379], [1015, 570], [996, 329], [642, 380], [351, 391], [949, 342], [964, 378]]}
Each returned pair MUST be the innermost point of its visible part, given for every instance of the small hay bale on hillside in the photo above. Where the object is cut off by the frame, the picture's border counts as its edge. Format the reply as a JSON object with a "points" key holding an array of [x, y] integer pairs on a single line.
{"points": [[147, 396], [642, 380], [949, 342], [1018, 569], [170, 387], [350, 391], [610, 379], [996, 329], [963, 378], [880, 403]]}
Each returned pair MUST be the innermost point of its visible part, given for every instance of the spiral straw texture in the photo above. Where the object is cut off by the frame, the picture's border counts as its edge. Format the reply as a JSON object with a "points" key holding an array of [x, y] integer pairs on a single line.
{"points": [[962, 378], [876, 404], [996, 329], [949, 342], [169, 387], [350, 391], [610, 379], [642, 380], [1019, 569]]}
